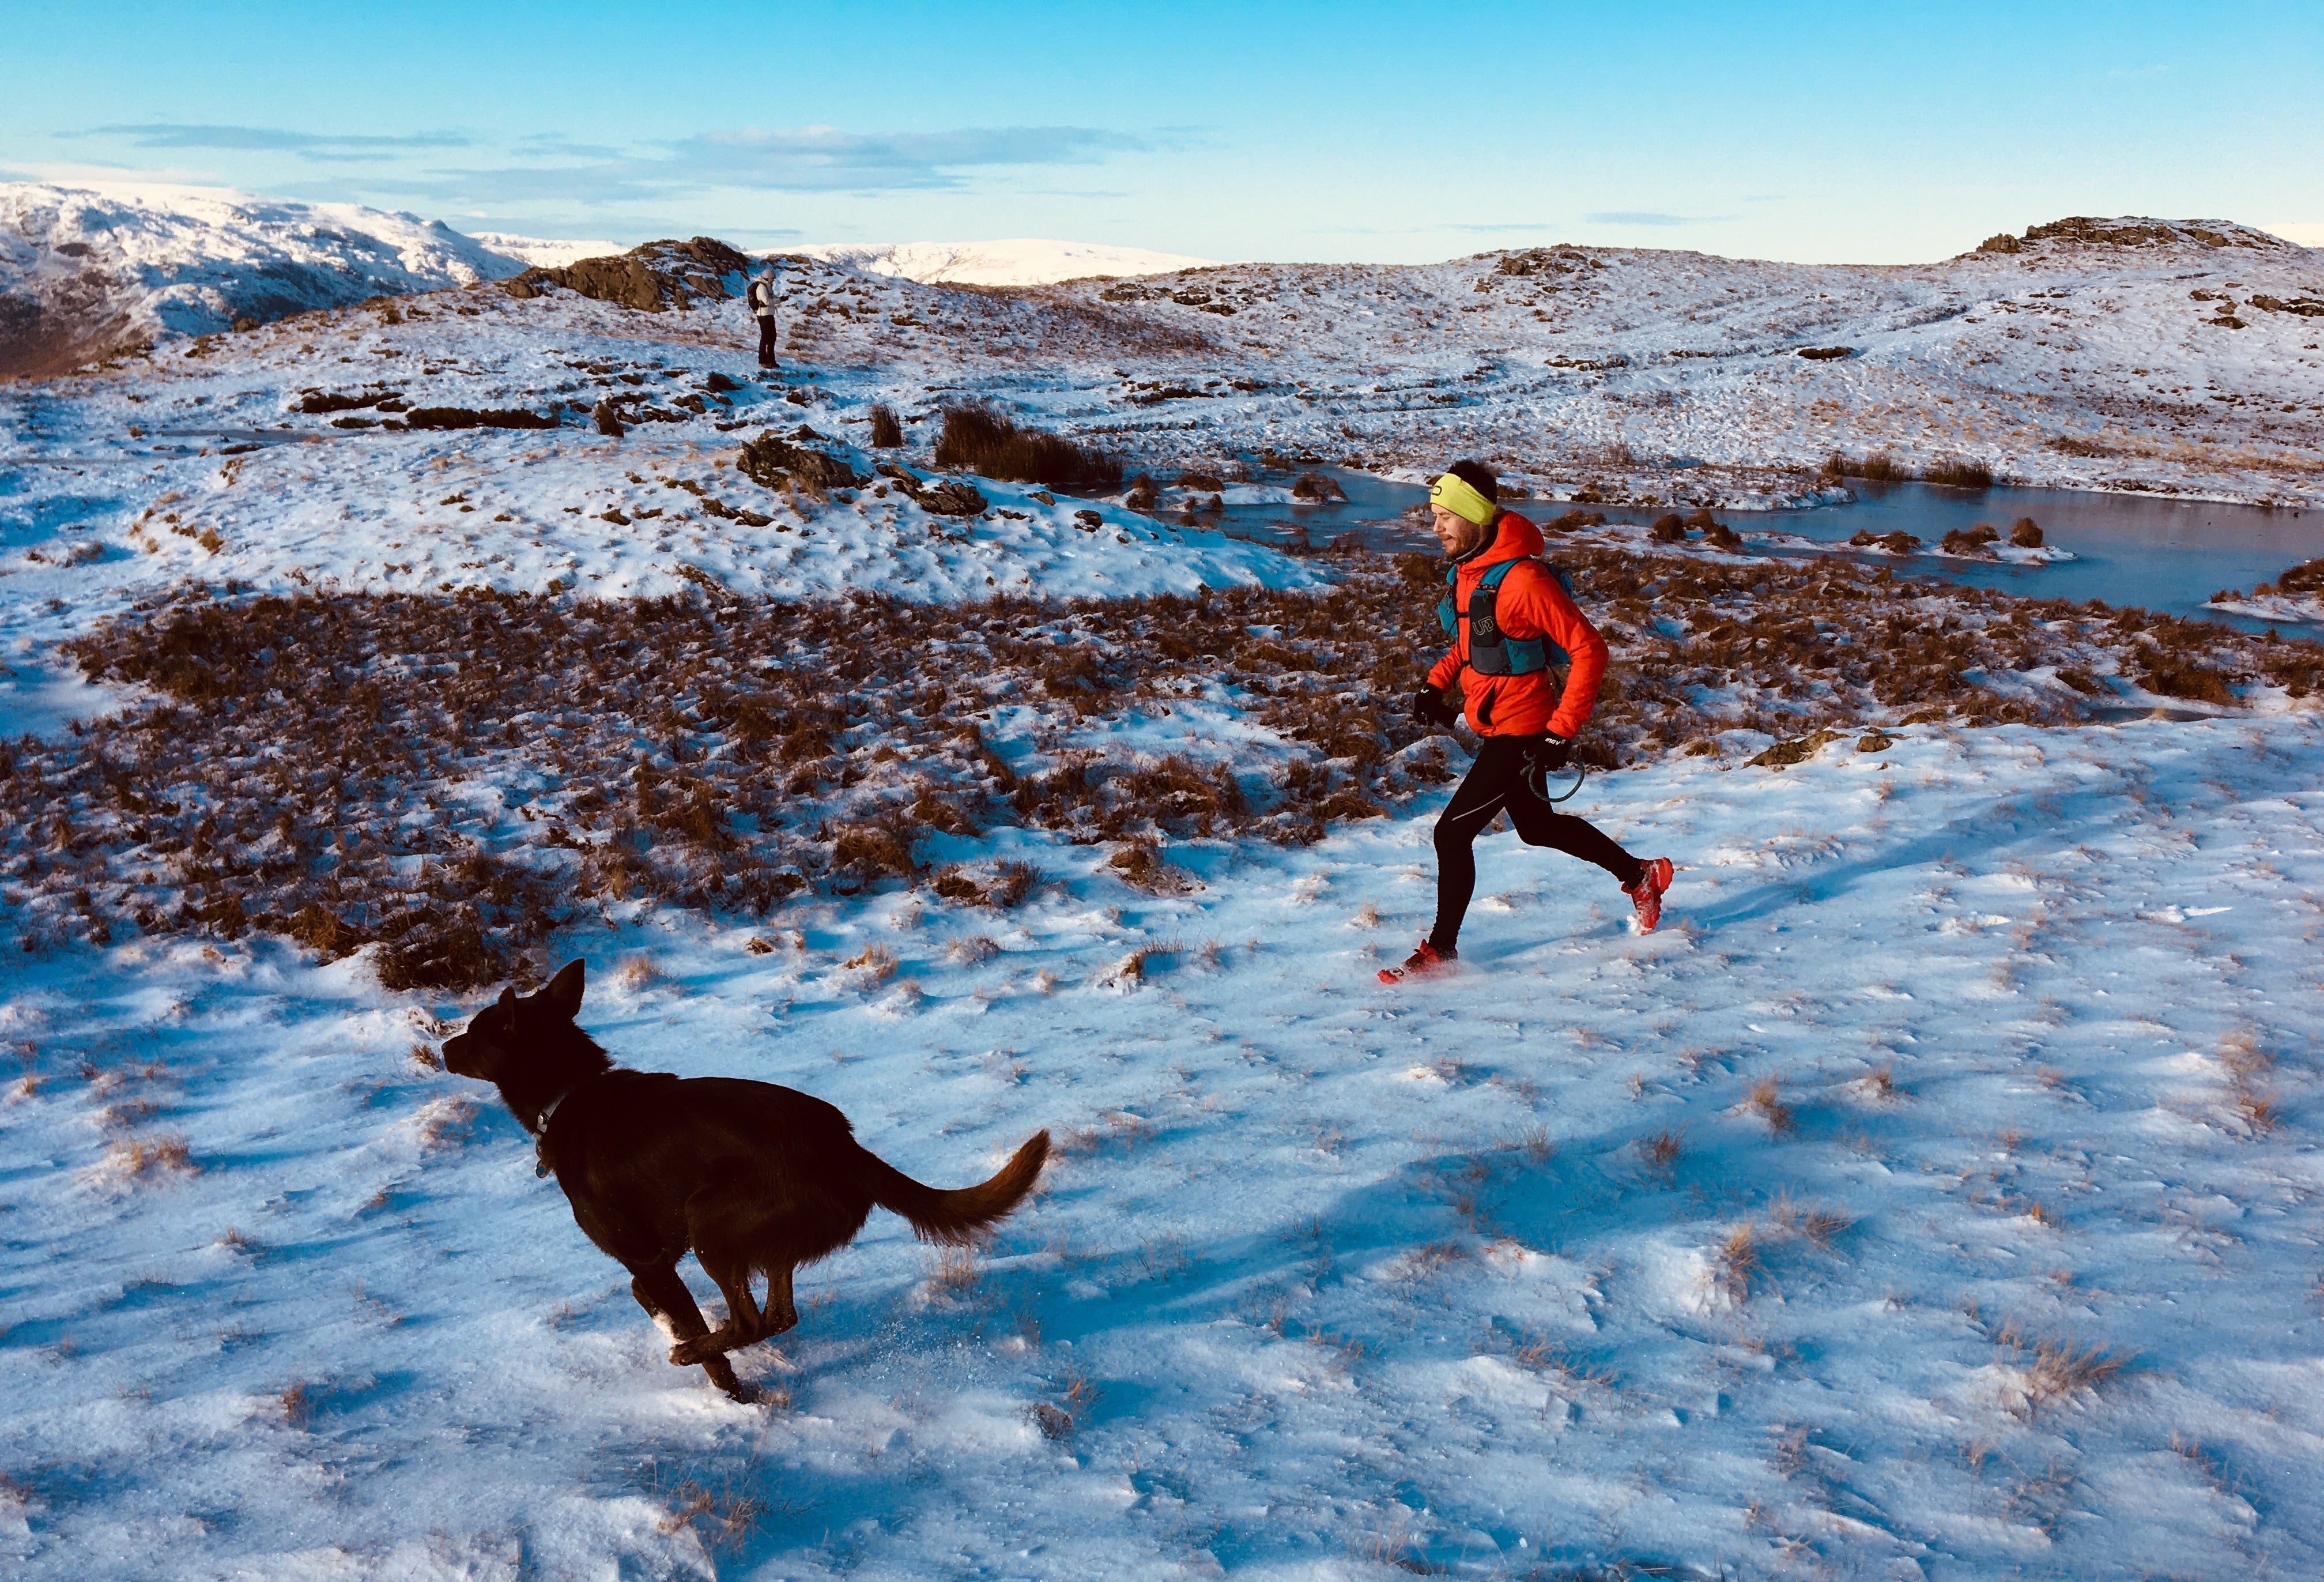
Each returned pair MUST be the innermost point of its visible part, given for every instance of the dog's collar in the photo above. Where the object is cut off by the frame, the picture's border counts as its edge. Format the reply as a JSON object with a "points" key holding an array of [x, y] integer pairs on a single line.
{"points": [[540, 1130]]}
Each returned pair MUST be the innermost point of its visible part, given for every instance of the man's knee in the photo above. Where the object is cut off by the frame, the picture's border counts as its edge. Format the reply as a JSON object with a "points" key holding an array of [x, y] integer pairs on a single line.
{"points": [[1457, 833]]}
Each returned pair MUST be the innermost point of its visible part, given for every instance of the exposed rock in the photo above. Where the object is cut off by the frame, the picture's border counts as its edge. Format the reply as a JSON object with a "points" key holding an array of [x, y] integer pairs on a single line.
{"points": [[952, 497], [1825, 354], [1314, 486], [774, 462], [2086, 230], [1798, 750], [462, 417], [320, 402], [650, 278]]}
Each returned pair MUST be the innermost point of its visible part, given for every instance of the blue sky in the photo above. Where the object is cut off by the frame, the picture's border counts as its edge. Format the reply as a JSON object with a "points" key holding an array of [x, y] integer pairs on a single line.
{"points": [[1392, 132]]}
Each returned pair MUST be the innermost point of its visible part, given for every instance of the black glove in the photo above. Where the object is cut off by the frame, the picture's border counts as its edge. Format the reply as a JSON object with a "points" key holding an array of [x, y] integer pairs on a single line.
{"points": [[1429, 707], [1543, 757]]}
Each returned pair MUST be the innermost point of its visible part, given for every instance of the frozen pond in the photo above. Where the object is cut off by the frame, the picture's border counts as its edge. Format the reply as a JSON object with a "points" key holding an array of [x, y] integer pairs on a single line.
{"points": [[2161, 554]]}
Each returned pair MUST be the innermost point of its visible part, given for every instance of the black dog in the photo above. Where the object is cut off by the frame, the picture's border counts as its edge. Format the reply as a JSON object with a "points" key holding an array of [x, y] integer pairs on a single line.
{"points": [[753, 1178]]}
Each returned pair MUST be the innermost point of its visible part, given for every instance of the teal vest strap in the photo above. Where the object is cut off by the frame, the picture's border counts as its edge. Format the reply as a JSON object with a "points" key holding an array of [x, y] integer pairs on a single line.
{"points": [[1492, 651]]}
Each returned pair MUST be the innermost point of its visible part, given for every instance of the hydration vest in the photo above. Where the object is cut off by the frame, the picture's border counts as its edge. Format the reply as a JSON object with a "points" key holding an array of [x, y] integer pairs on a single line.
{"points": [[1492, 651]]}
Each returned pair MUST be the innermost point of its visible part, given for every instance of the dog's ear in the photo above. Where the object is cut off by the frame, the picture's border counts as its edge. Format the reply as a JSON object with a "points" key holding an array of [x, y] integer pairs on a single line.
{"points": [[564, 990]]}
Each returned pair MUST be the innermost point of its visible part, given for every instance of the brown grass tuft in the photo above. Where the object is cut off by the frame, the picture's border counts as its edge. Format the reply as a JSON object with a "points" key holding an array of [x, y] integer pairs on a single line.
{"points": [[137, 1158], [1738, 1263], [1763, 1098], [979, 438], [2056, 1369], [877, 963]]}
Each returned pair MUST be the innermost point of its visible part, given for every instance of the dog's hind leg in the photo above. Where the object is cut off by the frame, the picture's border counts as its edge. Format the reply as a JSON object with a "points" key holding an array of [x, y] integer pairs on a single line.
{"points": [[663, 1295], [744, 1325]]}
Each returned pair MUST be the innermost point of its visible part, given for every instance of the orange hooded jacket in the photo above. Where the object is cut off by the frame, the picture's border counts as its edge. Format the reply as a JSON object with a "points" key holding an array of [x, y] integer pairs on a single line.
{"points": [[1529, 603]]}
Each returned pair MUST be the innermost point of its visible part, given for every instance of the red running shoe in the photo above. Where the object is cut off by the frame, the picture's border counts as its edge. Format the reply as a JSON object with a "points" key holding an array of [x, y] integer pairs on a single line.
{"points": [[1647, 894], [1428, 958]]}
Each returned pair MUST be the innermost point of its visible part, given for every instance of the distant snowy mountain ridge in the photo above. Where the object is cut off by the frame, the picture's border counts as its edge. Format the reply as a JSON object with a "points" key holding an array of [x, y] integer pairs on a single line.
{"points": [[84, 271], [543, 252], [1019, 262]]}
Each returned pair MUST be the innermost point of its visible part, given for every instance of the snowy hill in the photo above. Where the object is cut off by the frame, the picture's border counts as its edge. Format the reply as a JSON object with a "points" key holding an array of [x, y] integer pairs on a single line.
{"points": [[1015, 262], [84, 270], [543, 252]]}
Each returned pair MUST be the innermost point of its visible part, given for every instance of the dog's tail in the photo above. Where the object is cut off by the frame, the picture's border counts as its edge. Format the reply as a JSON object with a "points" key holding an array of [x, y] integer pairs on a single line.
{"points": [[955, 1217]]}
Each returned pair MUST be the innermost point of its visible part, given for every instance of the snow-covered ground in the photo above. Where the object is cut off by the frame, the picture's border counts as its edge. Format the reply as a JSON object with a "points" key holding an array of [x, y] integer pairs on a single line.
{"points": [[84, 270], [1015, 261], [1933, 1196]]}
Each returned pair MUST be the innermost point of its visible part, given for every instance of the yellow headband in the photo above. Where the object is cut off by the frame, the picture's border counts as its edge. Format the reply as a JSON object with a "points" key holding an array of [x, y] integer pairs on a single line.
{"points": [[1455, 494]]}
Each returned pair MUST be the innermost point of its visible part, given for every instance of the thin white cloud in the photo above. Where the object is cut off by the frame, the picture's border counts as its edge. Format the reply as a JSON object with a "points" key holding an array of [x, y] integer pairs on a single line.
{"points": [[269, 139], [1653, 218]]}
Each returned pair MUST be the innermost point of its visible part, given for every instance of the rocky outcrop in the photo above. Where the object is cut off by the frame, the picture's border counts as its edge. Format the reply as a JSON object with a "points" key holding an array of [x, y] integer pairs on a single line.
{"points": [[2089, 231], [650, 278]]}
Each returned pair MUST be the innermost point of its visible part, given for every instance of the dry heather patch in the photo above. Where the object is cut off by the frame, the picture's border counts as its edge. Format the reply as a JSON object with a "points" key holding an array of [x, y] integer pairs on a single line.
{"points": [[1738, 1263], [2052, 1369], [296, 754], [144, 1158], [1661, 1151], [1763, 1100]]}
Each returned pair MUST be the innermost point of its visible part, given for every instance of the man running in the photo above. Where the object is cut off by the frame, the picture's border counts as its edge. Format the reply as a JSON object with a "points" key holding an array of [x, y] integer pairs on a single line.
{"points": [[1514, 629], [762, 308]]}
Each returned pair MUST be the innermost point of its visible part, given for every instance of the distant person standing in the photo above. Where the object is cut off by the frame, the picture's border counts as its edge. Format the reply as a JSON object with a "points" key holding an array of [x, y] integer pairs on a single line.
{"points": [[762, 308]]}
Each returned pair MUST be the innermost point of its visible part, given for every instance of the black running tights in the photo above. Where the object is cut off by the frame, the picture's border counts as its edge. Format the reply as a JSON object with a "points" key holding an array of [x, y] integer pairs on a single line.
{"points": [[1495, 785]]}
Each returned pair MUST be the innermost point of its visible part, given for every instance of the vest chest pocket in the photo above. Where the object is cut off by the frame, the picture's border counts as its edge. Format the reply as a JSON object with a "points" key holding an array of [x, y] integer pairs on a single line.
{"points": [[1492, 651]]}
